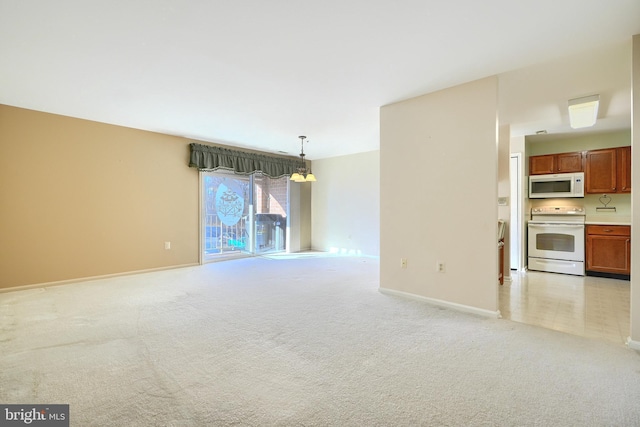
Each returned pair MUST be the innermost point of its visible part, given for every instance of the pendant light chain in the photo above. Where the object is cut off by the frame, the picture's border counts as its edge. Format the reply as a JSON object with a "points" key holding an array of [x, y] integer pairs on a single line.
{"points": [[303, 174]]}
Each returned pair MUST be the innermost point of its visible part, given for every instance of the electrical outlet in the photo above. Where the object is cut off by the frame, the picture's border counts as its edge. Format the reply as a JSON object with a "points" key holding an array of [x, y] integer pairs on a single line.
{"points": [[167, 245], [403, 263], [440, 267]]}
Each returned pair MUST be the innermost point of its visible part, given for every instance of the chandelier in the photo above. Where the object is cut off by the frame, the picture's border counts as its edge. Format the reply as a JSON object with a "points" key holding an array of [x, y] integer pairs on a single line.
{"points": [[303, 174]]}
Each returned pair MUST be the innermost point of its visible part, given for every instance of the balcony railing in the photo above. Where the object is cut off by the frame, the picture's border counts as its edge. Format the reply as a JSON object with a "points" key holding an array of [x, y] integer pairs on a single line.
{"points": [[219, 238]]}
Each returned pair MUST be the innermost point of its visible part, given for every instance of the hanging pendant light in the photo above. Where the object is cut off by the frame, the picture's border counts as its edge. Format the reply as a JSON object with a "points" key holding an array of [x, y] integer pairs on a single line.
{"points": [[303, 173]]}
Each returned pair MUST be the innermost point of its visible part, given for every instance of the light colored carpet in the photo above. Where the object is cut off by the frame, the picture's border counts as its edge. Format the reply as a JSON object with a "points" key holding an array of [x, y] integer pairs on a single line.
{"points": [[297, 342]]}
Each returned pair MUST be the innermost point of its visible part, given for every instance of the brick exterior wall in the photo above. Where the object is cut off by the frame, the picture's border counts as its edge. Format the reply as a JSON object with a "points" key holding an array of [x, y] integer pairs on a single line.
{"points": [[271, 195]]}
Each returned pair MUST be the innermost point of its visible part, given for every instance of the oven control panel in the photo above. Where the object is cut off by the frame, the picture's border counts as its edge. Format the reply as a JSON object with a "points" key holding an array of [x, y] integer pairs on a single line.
{"points": [[558, 210]]}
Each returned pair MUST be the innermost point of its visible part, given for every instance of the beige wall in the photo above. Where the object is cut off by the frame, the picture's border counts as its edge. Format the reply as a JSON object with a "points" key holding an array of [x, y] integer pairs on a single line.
{"points": [[438, 186], [346, 204], [81, 199]]}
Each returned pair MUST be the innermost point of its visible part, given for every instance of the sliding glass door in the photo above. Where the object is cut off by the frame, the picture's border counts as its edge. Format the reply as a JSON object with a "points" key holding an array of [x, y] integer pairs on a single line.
{"points": [[271, 204], [226, 202], [242, 215]]}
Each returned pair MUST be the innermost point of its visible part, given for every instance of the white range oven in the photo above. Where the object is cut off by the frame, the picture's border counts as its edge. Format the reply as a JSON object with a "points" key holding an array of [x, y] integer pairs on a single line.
{"points": [[556, 239]]}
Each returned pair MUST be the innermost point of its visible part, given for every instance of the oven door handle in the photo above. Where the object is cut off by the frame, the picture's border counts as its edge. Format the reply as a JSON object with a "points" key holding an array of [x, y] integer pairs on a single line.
{"points": [[552, 225]]}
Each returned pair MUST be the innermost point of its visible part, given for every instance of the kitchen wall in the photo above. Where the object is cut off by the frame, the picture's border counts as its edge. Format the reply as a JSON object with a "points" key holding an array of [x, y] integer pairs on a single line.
{"points": [[438, 196], [82, 199], [578, 143], [346, 204]]}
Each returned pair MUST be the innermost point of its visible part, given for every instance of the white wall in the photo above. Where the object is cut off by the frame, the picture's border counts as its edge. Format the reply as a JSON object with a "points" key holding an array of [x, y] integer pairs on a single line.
{"points": [[635, 197], [517, 145], [438, 184], [345, 204]]}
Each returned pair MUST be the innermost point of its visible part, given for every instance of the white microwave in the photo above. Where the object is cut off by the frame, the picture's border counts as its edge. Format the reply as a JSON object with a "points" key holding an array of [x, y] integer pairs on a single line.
{"points": [[556, 185]]}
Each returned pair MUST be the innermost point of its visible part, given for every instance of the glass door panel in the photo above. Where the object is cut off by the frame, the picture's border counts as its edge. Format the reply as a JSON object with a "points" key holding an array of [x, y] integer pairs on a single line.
{"points": [[271, 198], [226, 214]]}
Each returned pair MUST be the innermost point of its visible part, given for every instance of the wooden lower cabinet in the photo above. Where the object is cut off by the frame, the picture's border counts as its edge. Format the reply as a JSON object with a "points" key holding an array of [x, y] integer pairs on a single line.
{"points": [[608, 249]]}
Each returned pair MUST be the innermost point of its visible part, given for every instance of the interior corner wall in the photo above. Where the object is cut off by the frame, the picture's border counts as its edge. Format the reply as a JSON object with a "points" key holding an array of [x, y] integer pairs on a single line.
{"points": [[299, 232], [345, 208], [517, 145], [82, 199], [438, 186], [635, 194]]}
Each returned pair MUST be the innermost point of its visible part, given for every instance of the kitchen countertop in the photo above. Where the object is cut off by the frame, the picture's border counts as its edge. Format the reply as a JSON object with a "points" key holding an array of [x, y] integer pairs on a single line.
{"points": [[608, 219]]}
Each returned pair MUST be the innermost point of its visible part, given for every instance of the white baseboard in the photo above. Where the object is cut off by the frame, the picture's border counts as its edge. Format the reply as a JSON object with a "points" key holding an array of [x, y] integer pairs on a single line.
{"points": [[634, 345], [442, 303], [87, 279]]}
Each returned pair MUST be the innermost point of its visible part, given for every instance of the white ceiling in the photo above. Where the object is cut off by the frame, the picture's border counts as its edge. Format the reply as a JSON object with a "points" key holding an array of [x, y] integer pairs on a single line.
{"points": [[257, 73]]}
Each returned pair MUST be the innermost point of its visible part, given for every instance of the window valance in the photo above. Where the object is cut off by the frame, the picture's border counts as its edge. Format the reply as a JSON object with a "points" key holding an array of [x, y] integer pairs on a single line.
{"points": [[210, 158]]}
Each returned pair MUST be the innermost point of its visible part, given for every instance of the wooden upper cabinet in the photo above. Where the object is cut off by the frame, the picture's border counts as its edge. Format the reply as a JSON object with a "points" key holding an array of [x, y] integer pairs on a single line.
{"points": [[539, 165], [601, 176], [608, 171], [624, 169], [556, 163], [569, 162]]}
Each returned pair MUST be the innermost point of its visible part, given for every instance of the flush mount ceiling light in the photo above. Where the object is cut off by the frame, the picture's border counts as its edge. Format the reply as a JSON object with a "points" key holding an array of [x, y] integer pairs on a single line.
{"points": [[303, 174], [583, 112]]}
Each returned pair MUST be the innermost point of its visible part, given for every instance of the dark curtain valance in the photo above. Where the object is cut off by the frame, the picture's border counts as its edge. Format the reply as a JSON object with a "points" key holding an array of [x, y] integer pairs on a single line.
{"points": [[210, 158]]}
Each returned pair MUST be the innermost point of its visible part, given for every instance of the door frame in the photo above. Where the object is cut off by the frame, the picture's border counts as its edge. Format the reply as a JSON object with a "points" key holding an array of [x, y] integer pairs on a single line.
{"points": [[517, 217]]}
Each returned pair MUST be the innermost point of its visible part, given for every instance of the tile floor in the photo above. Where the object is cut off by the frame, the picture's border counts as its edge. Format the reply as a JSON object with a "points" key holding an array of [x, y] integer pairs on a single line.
{"points": [[587, 306]]}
